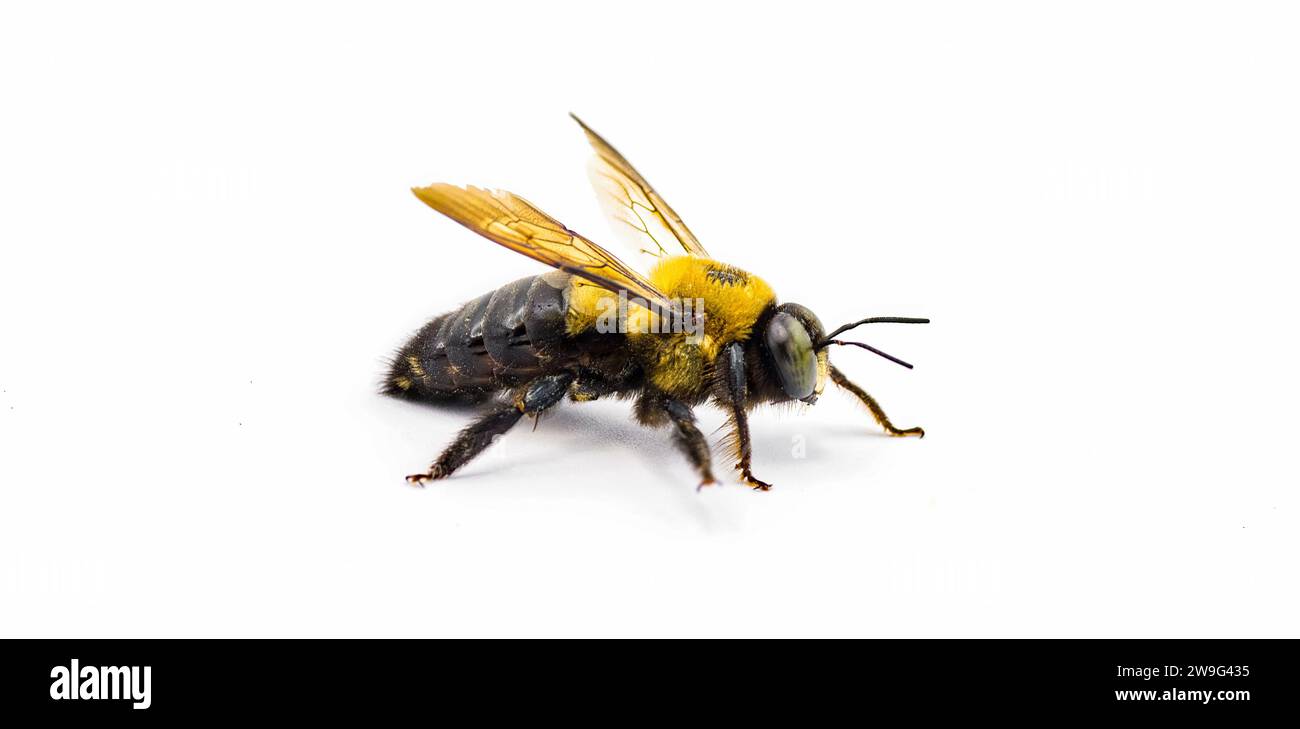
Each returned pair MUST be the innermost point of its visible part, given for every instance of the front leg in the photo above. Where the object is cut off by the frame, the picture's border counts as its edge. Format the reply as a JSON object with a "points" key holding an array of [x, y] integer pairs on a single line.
{"points": [[876, 411], [732, 367]]}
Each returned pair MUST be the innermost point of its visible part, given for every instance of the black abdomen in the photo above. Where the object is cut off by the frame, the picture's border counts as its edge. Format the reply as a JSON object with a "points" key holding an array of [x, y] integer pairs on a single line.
{"points": [[501, 339]]}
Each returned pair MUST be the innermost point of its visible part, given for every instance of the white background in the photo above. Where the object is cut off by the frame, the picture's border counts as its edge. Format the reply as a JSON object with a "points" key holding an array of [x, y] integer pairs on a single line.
{"points": [[209, 250]]}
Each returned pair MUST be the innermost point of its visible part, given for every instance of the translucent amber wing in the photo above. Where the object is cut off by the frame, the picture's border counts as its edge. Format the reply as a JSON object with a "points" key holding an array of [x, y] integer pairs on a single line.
{"points": [[515, 223], [640, 215]]}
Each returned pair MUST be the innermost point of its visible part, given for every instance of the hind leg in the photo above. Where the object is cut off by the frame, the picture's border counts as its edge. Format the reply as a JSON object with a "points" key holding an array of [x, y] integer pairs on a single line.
{"points": [[532, 399], [876, 411]]}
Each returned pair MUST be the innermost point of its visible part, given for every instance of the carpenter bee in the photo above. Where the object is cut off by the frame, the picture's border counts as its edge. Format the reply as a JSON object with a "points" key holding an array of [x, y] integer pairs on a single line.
{"points": [[691, 331]]}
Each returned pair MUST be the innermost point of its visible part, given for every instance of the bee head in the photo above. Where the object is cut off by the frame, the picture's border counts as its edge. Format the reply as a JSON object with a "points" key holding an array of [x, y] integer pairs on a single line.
{"points": [[790, 340], [794, 350]]}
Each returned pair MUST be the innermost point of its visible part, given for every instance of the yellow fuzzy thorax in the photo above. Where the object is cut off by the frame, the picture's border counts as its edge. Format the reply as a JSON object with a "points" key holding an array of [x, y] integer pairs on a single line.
{"points": [[732, 302], [733, 299]]}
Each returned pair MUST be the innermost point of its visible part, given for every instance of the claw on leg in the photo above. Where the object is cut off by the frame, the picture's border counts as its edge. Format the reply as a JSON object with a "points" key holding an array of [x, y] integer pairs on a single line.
{"points": [[420, 479], [906, 432], [753, 482]]}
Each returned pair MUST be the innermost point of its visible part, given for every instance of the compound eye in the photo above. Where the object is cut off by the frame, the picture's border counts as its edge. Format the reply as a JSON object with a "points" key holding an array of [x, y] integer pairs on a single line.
{"points": [[792, 355]]}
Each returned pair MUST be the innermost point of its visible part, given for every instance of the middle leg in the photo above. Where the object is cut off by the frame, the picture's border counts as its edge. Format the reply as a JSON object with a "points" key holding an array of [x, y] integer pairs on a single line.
{"points": [[655, 409], [690, 440]]}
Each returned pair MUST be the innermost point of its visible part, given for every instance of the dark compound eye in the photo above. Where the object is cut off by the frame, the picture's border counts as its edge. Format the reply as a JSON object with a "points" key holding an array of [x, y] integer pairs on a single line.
{"points": [[792, 355]]}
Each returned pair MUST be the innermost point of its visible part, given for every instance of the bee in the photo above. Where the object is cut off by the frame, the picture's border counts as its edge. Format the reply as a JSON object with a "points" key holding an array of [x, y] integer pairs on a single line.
{"points": [[693, 330]]}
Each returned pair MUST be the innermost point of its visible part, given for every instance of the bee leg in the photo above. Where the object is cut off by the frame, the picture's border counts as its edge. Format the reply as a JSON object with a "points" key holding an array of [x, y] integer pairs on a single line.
{"points": [[532, 399], [469, 443], [732, 366], [689, 439], [876, 411]]}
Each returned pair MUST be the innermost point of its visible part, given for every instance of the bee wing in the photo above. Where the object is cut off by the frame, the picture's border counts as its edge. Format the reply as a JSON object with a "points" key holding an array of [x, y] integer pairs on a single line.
{"points": [[516, 224], [639, 215]]}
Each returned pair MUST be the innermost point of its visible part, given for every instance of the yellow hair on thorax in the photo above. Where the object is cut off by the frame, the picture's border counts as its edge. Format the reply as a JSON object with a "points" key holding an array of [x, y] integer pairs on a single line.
{"points": [[733, 299], [676, 363]]}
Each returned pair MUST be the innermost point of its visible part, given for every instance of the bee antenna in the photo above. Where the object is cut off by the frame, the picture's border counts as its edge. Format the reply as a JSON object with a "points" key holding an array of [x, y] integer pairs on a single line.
{"points": [[869, 348], [871, 320]]}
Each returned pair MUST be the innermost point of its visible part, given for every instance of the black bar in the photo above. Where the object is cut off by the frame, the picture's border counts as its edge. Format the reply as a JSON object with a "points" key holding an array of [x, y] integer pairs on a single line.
{"points": [[561, 680]]}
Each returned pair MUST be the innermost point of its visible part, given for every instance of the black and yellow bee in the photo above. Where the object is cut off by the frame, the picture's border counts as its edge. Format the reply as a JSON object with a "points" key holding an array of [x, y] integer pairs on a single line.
{"points": [[695, 329]]}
